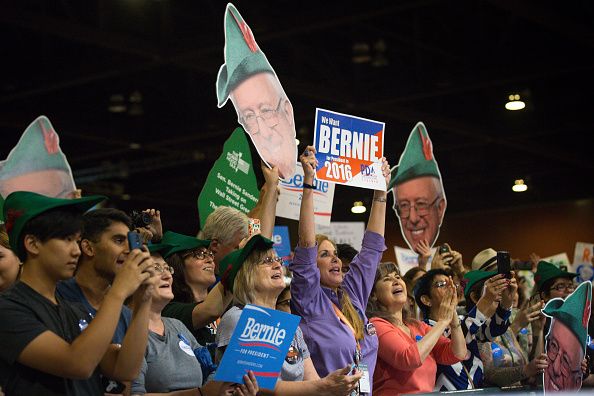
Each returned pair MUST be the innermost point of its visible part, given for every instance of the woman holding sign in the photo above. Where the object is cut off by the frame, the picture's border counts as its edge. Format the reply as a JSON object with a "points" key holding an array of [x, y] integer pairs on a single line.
{"points": [[332, 304], [256, 277]]}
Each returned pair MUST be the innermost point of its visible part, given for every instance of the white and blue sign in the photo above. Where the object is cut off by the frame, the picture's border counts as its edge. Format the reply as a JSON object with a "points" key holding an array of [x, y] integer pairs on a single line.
{"points": [[259, 343], [282, 243], [349, 150]]}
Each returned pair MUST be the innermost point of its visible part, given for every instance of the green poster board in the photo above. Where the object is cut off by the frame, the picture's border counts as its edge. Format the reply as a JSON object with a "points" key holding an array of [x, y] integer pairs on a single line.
{"points": [[231, 181]]}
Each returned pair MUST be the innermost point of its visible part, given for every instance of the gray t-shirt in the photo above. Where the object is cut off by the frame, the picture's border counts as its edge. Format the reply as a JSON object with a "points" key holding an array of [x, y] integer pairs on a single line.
{"points": [[169, 363], [292, 369]]}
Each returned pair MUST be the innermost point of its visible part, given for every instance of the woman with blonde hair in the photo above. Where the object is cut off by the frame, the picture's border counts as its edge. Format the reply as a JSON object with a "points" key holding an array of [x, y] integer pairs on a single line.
{"points": [[330, 303], [10, 264], [255, 274]]}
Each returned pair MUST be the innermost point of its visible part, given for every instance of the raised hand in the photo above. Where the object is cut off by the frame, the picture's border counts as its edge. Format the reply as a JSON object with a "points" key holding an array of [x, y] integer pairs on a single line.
{"points": [[136, 269], [271, 177], [493, 288], [536, 366], [424, 251], [386, 170], [309, 163], [156, 226], [508, 294]]}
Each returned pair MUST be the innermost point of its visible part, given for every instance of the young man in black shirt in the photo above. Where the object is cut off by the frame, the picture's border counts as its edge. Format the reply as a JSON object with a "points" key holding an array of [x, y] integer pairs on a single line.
{"points": [[50, 346]]}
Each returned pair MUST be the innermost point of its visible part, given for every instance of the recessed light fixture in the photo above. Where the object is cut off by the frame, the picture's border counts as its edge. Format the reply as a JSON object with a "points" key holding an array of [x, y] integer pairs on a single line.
{"points": [[515, 103], [519, 186], [358, 207]]}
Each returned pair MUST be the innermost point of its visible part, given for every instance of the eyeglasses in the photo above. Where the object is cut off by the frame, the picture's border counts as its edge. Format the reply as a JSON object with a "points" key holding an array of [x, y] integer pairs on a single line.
{"points": [[440, 284], [563, 286], [268, 115], [160, 269], [421, 208], [200, 254], [269, 261]]}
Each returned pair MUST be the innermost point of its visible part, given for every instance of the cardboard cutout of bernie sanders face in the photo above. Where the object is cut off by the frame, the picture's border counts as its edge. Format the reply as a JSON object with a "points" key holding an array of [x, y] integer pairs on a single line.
{"points": [[263, 108], [417, 188], [38, 164], [567, 339]]}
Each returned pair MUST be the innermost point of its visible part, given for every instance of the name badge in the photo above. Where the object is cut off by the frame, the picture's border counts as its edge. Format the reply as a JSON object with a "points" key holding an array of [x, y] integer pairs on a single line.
{"points": [[370, 329], [364, 382]]}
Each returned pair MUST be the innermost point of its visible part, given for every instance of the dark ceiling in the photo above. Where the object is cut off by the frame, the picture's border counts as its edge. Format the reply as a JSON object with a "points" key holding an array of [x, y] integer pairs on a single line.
{"points": [[451, 64]]}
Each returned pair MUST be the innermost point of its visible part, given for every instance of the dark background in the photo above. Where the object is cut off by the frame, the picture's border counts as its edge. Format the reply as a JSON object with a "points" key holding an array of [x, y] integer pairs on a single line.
{"points": [[449, 64]]}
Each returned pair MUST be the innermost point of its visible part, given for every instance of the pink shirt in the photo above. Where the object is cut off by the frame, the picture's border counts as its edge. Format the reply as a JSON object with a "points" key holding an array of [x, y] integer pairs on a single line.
{"points": [[399, 368]]}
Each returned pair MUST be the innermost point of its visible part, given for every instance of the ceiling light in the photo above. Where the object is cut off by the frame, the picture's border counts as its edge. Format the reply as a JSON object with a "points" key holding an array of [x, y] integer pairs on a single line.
{"points": [[519, 186], [358, 207], [515, 103], [117, 104], [361, 53]]}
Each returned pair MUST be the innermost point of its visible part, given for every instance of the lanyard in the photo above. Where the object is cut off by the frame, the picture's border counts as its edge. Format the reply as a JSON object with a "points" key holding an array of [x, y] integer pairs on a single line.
{"points": [[344, 320]]}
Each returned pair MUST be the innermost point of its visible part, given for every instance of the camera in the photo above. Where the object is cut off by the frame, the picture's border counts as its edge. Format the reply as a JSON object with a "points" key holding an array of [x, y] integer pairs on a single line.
{"points": [[444, 249], [140, 219]]}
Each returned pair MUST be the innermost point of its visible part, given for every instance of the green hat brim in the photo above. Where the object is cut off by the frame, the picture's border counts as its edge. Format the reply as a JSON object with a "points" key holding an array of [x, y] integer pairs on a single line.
{"points": [[232, 262], [182, 242], [475, 277], [21, 206], [252, 64], [546, 271], [161, 248]]}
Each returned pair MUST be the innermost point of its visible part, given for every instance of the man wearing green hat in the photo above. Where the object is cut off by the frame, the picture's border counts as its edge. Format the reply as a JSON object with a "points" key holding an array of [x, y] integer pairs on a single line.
{"points": [[37, 164], [567, 339], [49, 346], [262, 106], [417, 188], [552, 282]]}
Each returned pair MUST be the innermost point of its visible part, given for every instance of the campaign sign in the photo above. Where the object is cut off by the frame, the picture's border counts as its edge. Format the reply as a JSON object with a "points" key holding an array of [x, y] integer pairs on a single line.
{"points": [[259, 343], [282, 243], [289, 200], [349, 149]]}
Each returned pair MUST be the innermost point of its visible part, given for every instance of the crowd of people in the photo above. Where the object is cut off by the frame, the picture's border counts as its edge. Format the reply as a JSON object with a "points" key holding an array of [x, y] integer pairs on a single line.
{"points": [[81, 313]]}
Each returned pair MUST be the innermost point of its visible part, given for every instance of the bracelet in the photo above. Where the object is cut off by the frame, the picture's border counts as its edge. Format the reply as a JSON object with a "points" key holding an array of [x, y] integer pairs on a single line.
{"points": [[305, 185], [380, 199], [455, 327]]}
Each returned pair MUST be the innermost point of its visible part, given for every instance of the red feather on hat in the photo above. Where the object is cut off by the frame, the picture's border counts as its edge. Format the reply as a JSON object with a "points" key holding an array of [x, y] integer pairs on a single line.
{"points": [[427, 146], [247, 34]]}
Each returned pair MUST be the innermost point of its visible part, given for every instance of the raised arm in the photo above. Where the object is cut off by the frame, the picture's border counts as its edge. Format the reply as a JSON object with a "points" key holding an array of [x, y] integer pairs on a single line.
{"points": [[269, 194], [377, 216], [307, 229], [53, 355], [213, 306]]}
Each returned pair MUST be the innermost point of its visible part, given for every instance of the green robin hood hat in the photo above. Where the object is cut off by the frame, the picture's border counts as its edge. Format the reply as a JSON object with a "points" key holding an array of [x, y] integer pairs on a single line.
{"points": [[574, 311], [546, 271], [182, 242], [38, 149], [232, 262], [417, 159], [22, 206], [474, 277], [161, 248], [243, 57]]}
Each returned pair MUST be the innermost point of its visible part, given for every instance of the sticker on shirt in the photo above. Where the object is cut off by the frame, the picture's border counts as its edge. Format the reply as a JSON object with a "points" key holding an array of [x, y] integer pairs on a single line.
{"points": [[370, 329], [293, 355], [186, 348], [82, 324], [364, 383]]}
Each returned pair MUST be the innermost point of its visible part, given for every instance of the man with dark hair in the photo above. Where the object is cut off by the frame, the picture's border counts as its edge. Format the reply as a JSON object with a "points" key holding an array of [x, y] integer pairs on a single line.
{"points": [[346, 254], [104, 248], [487, 317], [50, 346]]}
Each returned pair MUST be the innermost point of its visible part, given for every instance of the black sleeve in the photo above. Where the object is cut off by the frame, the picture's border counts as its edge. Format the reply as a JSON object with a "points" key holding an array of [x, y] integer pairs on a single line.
{"points": [[18, 327]]}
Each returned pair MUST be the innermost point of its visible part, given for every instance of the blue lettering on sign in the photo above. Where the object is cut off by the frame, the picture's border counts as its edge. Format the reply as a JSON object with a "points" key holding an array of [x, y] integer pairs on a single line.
{"points": [[297, 181], [367, 170]]}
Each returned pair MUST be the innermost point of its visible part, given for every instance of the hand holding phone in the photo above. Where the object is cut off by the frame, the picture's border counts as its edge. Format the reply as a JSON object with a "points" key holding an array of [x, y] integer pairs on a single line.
{"points": [[134, 240]]}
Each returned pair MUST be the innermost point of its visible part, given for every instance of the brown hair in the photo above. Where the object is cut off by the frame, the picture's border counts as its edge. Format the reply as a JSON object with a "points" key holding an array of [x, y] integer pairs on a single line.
{"points": [[4, 237], [375, 308], [348, 310]]}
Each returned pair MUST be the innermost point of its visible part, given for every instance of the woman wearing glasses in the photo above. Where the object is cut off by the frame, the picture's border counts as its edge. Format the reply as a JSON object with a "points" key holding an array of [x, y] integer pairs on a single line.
{"points": [[409, 350], [255, 274], [193, 304], [170, 363]]}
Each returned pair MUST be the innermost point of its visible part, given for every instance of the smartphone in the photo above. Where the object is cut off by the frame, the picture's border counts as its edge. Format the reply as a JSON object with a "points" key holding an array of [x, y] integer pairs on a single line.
{"points": [[134, 240], [503, 264]]}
